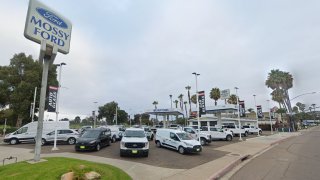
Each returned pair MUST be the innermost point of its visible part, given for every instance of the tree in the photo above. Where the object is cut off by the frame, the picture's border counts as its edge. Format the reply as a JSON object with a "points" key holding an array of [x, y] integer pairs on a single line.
{"points": [[155, 103], [295, 109], [194, 99], [301, 106], [181, 101], [109, 111], [176, 102], [215, 94], [17, 83], [232, 99], [189, 98], [77, 120], [280, 82]]}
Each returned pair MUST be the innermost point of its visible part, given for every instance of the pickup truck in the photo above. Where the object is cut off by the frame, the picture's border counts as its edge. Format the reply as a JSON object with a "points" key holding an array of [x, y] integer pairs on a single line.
{"points": [[252, 129], [217, 133], [235, 130], [205, 138]]}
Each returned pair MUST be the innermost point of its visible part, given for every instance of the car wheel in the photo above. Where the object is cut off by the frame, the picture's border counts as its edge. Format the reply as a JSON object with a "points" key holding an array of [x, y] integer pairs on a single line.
{"points": [[229, 138], [71, 141], [246, 134], [98, 147], [181, 150], [158, 144], [260, 132], [202, 141], [109, 142], [151, 137], [14, 141], [43, 142], [113, 139]]}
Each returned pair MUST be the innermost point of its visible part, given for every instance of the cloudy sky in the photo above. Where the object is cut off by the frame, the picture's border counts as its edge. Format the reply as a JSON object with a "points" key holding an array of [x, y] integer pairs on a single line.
{"points": [[135, 52]]}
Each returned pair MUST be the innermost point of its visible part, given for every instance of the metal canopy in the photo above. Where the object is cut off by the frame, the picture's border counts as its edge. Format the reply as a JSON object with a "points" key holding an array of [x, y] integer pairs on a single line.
{"points": [[164, 112], [221, 108]]}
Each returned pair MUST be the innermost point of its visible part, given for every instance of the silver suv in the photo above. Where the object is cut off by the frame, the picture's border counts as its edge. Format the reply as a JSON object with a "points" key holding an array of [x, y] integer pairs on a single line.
{"points": [[63, 135]]}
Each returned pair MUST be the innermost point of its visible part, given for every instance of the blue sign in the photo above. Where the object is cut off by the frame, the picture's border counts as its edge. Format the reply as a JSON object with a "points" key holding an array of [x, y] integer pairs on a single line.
{"points": [[51, 17]]}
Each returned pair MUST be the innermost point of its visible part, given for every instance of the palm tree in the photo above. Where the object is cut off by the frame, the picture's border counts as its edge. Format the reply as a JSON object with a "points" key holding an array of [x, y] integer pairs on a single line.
{"points": [[155, 103], [181, 101], [280, 82], [215, 94], [185, 107], [176, 102], [194, 99], [188, 89], [232, 99]]}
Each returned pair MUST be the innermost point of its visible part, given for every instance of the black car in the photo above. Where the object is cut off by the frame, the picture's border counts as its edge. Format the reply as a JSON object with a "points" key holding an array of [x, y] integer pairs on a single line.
{"points": [[93, 139]]}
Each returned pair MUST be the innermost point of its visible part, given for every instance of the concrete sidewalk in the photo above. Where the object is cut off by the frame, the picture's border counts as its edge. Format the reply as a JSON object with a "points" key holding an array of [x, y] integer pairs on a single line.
{"points": [[211, 170]]}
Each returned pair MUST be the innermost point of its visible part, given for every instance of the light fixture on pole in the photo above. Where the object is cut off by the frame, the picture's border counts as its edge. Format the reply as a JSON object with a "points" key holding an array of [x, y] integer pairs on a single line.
{"points": [[270, 116], [170, 100], [255, 104], [238, 108], [198, 115], [57, 107]]}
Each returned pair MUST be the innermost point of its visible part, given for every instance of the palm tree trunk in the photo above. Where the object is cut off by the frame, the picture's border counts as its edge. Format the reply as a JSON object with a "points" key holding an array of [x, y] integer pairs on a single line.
{"points": [[189, 101]]}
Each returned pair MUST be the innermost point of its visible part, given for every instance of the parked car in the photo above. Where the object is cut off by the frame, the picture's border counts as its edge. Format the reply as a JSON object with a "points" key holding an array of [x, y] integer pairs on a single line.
{"points": [[83, 128], [252, 129], [116, 132], [205, 138], [134, 142], [235, 130], [93, 139], [63, 135], [28, 132], [218, 133], [174, 126], [178, 140], [148, 132]]}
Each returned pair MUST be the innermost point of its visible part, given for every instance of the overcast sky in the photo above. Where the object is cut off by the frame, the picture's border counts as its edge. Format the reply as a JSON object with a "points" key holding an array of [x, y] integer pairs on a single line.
{"points": [[135, 52]]}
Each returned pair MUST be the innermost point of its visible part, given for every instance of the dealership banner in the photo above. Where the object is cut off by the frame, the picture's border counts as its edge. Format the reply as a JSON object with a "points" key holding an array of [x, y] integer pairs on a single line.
{"points": [[242, 109], [202, 105], [52, 99], [259, 111]]}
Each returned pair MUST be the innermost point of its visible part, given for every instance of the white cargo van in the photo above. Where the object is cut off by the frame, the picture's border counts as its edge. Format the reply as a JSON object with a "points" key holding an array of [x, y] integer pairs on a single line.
{"points": [[28, 132], [178, 140]]}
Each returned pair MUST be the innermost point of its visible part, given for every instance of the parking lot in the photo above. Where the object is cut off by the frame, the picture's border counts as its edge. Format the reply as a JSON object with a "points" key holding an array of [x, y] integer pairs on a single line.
{"points": [[161, 157]]}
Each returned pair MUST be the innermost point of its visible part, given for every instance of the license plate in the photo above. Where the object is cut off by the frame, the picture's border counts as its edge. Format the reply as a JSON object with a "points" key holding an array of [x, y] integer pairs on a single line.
{"points": [[134, 151], [82, 147], [198, 149]]}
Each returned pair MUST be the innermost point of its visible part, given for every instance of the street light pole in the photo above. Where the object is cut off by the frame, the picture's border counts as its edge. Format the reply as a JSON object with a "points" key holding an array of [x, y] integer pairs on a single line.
{"points": [[57, 107], [198, 112], [270, 116], [94, 115], [238, 108], [255, 104]]}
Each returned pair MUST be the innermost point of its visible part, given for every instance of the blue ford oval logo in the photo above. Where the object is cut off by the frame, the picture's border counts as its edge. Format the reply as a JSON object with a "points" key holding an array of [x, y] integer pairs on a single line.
{"points": [[52, 18]]}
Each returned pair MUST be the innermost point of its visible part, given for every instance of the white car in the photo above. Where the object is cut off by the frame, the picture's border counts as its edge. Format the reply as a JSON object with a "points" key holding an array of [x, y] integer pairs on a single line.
{"points": [[235, 130], [116, 132], [134, 142], [178, 140], [205, 138], [63, 135], [252, 129], [218, 133], [148, 133]]}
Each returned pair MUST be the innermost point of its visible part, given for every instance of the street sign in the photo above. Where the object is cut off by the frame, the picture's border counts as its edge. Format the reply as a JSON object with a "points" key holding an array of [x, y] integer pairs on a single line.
{"points": [[225, 94], [43, 23]]}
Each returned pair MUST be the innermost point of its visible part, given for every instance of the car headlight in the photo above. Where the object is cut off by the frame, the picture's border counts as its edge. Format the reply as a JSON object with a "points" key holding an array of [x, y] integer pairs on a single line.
{"points": [[91, 142], [188, 144], [123, 143], [146, 144]]}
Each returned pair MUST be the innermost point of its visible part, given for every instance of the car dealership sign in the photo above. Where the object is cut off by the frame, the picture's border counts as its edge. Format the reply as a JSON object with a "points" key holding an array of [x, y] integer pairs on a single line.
{"points": [[43, 23]]}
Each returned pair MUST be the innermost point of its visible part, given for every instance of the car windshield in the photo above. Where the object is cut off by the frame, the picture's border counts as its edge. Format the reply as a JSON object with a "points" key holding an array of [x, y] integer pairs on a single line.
{"points": [[184, 136], [132, 133], [91, 134]]}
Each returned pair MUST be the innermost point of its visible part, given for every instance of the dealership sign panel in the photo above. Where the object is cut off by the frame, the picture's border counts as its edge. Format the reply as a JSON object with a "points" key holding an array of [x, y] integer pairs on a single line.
{"points": [[202, 104], [259, 111], [52, 99], [242, 109], [43, 23]]}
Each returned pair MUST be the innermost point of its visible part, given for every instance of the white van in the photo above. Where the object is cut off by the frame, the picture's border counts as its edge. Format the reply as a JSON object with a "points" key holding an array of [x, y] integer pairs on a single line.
{"points": [[28, 132], [178, 140]]}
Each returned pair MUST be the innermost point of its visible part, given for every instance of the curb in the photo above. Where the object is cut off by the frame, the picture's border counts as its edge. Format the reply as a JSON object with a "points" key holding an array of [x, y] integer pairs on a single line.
{"points": [[235, 163], [228, 168]]}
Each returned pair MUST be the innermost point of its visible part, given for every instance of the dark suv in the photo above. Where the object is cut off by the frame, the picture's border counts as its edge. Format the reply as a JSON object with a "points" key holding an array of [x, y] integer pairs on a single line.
{"points": [[93, 139]]}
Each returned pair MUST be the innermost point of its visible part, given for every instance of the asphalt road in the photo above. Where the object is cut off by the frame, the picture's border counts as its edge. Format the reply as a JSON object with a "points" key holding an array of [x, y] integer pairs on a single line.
{"points": [[161, 157], [297, 158]]}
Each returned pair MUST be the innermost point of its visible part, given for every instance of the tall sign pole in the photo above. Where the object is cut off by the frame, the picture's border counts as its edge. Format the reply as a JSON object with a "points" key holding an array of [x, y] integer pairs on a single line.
{"points": [[53, 32]]}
